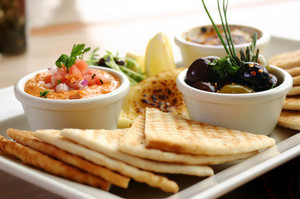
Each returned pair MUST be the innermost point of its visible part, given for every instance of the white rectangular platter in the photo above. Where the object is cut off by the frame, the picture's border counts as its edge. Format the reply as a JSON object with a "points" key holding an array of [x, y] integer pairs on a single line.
{"points": [[227, 178]]}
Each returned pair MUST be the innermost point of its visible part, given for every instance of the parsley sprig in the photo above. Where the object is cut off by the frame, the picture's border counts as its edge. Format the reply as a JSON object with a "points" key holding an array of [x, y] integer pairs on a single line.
{"points": [[224, 68], [68, 61]]}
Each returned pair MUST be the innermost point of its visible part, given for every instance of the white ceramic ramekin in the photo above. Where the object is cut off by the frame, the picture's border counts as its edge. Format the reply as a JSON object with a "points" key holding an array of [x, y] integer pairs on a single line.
{"points": [[100, 112], [191, 51], [252, 112]]}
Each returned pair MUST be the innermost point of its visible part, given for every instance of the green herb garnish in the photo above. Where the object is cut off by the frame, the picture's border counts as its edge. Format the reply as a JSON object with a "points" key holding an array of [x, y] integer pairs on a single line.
{"points": [[232, 58], [44, 94], [68, 61], [249, 55], [58, 81], [224, 67]]}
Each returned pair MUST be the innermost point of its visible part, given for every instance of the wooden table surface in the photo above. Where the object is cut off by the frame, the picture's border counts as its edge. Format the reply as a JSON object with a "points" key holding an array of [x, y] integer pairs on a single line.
{"points": [[121, 27]]}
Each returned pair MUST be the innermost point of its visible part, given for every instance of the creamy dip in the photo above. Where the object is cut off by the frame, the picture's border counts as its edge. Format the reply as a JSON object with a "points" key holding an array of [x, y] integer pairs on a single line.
{"points": [[36, 86], [207, 35]]}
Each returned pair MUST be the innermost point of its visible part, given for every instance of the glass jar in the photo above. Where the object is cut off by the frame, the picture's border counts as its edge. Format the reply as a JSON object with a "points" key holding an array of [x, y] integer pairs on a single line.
{"points": [[12, 27]]}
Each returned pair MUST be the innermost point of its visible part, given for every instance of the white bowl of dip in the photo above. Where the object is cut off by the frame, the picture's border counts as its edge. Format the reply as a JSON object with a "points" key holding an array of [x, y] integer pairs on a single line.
{"points": [[256, 113], [192, 50], [99, 112]]}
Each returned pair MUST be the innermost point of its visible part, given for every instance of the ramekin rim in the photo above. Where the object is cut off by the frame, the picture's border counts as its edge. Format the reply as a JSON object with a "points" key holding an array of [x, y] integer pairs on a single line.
{"points": [[179, 40], [122, 88], [284, 86]]}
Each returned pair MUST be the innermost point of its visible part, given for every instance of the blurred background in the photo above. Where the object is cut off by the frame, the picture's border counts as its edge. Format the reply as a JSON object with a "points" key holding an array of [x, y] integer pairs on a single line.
{"points": [[125, 20], [52, 27]]}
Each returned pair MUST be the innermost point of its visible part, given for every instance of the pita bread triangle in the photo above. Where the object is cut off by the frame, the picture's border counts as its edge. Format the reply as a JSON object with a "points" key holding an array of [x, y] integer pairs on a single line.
{"points": [[289, 119], [133, 142], [292, 103], [53, 137], [107, 142], [168, 132], [42, 161], [27, 138]]}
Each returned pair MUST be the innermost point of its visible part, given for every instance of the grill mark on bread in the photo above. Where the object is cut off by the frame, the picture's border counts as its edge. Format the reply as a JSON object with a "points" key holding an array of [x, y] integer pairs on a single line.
{"points": [[198, 138]]}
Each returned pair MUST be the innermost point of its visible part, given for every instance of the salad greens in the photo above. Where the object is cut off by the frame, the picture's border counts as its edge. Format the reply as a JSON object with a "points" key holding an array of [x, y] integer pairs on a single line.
{"points": [[125, 65]]}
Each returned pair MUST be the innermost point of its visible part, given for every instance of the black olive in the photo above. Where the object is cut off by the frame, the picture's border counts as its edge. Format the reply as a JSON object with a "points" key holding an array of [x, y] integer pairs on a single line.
{"points": [[120, 62], [200, 70], [101, 62], [220, 82], [206, 86], [273, 80], [255, 76]]}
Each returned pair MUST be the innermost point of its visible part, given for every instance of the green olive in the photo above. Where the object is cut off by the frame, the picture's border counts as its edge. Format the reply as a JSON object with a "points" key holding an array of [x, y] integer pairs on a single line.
{"points": [[235, 88]]}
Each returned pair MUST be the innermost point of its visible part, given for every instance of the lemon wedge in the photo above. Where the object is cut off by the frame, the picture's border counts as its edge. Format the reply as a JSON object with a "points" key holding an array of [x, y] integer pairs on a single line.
{"points": [[140, 59], [159, 55]]}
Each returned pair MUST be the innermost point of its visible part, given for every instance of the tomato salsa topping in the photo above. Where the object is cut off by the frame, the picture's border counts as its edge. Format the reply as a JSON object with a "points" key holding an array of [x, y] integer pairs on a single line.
{"points": [[71, 79]]}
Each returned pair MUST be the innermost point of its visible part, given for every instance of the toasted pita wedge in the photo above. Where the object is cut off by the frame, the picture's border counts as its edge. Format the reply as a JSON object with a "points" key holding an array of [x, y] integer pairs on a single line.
{"points": [[290, 119], [295, 71], [294, 91], [133, 142], [286, 60], [159, 91], [296, 80], [53, 137], [107, 142], [42, 161], [168, 132], [26, 138], [292, 103]]}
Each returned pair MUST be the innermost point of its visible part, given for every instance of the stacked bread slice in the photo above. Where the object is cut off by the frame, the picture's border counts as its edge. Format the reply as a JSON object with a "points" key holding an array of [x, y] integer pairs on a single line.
{"points": [[290, 115], [43, 156], [158, 91], [156, 143]]}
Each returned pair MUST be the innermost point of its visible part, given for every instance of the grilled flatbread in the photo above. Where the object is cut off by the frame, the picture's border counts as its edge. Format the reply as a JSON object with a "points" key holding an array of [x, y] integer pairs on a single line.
{"points": [[133, 142], [107, 142], [294, 91], [53, 137], [295, 71], [168, 132], [290, 119], [159, 91], [42, 161], [26, 138], [296, 80], [292, 103], [286, 60]]}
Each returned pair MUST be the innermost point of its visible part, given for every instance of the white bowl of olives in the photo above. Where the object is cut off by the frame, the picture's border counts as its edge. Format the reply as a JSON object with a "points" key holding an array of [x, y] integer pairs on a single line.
{"points": [[236, 104]]}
